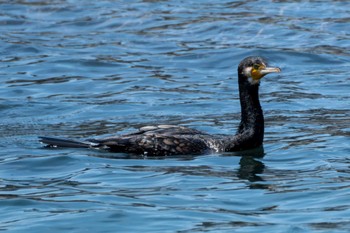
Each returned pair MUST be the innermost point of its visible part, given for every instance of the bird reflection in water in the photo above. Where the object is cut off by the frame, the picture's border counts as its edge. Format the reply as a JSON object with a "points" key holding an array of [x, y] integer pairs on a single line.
{"points": [[250, 167]]}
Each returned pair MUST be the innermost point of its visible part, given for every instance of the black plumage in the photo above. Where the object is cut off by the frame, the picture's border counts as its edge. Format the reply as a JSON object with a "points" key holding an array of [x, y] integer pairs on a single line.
{"points": [[164, 140]]}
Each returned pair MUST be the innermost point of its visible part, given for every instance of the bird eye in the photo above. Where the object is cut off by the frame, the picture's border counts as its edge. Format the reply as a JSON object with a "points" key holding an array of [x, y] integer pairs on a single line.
{"points": [[256, 67]]}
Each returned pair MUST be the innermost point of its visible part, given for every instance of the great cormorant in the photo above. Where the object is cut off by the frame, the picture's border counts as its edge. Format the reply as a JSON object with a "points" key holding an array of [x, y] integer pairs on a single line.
{"points": [[162, 140]]}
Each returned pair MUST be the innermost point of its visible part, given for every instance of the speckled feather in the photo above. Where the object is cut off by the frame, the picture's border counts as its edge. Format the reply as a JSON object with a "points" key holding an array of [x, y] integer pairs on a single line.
{"points": [[163, 140]]}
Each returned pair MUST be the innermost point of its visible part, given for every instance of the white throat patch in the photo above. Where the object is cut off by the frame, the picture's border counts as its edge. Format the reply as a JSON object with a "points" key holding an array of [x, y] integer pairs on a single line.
{"points": [[247, 71]]}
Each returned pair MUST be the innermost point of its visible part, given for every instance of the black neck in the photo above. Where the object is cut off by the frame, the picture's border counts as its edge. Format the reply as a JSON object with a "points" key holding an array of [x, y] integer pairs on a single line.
{"points": [[252, 118], [250, 133]]}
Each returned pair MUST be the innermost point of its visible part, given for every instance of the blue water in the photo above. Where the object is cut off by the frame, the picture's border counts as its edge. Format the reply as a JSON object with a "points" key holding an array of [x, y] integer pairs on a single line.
{"points": [[82, 69]]}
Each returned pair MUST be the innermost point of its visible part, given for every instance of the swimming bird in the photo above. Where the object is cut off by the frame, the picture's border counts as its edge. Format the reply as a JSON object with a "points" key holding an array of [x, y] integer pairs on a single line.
{"points": [[163, 140]]}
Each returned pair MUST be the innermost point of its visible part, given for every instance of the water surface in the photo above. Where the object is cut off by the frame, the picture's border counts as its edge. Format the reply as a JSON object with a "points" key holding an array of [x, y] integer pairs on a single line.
{"points": [[81, 69]]}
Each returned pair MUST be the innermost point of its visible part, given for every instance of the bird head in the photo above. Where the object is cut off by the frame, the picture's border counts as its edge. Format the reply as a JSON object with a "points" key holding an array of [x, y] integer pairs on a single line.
{"points": [[254, 68]]}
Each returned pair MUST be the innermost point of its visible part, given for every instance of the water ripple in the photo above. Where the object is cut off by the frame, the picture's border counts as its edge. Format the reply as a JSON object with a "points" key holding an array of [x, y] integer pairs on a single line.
{"points": [[92, 70]]}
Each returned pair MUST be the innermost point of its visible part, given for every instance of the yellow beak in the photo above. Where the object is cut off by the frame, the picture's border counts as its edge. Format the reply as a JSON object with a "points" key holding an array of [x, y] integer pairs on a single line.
{"points": [[257, 74]]}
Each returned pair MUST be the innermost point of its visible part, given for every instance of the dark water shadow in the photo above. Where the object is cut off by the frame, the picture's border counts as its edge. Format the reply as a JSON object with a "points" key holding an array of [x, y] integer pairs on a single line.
{"points": [[250, 165]]}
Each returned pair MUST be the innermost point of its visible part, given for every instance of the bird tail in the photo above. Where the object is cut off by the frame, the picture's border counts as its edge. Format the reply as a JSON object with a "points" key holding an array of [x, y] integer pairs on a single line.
{"points": [[59, 142]]}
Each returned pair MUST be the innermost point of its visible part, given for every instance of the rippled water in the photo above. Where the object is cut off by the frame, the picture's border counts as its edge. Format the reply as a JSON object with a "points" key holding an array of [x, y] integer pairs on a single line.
{"points": [[91, 69]]}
